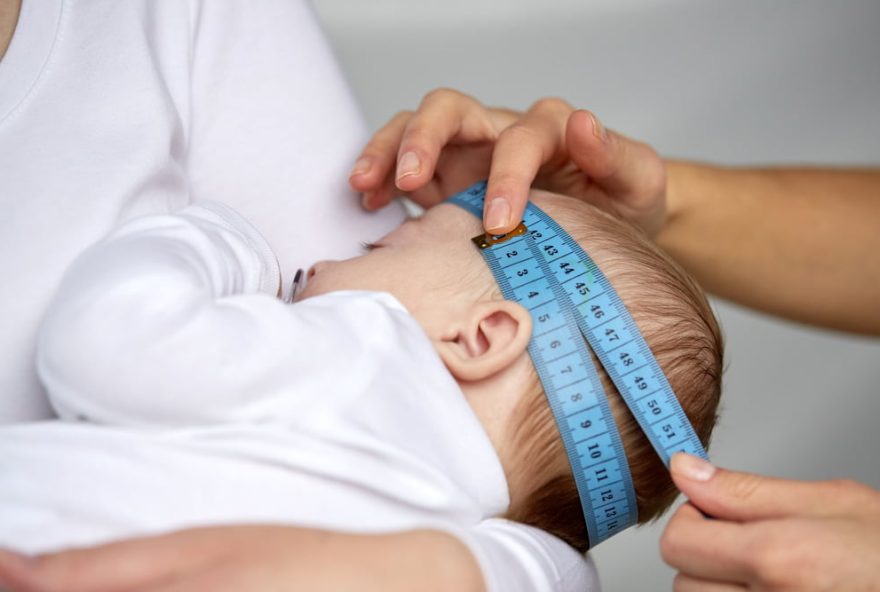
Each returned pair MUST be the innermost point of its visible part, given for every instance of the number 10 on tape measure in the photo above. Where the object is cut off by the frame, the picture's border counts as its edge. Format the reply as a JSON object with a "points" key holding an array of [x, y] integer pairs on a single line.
{"points": [[540, 266]]}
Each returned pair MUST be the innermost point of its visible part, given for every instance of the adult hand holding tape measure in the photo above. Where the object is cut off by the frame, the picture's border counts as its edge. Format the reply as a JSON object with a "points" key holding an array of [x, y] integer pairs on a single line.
{"points": [[768, 534]]}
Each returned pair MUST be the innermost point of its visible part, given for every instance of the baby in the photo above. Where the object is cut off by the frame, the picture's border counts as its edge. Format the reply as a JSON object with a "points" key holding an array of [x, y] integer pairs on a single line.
{"points": [[396, 392]]}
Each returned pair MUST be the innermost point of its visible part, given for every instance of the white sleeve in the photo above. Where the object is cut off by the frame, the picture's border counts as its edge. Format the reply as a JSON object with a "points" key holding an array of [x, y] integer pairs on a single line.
{"points": [[172, 319], [516, 557]]}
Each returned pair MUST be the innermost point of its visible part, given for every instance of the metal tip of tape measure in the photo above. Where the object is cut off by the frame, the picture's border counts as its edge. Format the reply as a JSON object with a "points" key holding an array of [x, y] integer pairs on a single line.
{"points": [[484, 241]]}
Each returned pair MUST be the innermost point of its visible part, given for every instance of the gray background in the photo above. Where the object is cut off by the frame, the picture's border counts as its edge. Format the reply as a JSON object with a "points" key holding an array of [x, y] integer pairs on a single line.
{"points": [[731, 82]]}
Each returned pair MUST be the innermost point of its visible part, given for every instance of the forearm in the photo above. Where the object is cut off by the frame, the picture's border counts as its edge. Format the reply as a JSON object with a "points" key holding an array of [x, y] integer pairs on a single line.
{"points": [[424, 560], [258, 558], [796, 242]]}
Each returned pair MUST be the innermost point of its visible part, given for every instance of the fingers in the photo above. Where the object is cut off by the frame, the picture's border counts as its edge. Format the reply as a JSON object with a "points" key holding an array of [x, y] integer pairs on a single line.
{"points": [[685, 583], [521, 150], [404, 153], [438, 149], [444, 115], [732, 495], [707, 549], [371, 174]]}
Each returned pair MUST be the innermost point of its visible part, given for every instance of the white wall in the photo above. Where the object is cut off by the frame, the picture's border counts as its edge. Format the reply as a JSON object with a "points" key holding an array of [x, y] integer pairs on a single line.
{"points": [[733, 82]]}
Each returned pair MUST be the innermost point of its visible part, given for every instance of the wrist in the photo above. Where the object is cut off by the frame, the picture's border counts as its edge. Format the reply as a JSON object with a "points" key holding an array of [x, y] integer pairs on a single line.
{"points": [[680, 179], [689, 187]]}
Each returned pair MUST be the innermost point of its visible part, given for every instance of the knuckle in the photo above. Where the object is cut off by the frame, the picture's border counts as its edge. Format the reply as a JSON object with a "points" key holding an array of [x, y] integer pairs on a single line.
{"points": [[654, 174], [518, 134], [402, 116], [846, 486], [851, 493], [779, 560], [762, 561], [671, 542], [375, 147], [745, 487], [505, 180], [419, 133], [441, 94], [551, 105], [389, 135]]}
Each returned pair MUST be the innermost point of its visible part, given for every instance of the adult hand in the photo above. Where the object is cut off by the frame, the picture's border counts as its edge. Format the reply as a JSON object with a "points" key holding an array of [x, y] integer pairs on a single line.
{"points": [[452, 140], [771, 534], [258, 558]]}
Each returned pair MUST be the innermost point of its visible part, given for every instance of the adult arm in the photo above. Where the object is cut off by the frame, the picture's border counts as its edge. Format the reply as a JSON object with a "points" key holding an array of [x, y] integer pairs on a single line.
{"points": [[495, 555], [254, 558], [802, 243]]}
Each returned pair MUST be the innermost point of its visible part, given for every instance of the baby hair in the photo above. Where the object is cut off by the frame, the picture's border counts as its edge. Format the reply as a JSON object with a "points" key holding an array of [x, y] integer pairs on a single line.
{"points": [[676, 320]]}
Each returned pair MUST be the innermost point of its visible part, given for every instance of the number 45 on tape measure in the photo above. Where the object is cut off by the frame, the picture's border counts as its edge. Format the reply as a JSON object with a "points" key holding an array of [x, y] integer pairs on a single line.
{"points": [[569, 298]]}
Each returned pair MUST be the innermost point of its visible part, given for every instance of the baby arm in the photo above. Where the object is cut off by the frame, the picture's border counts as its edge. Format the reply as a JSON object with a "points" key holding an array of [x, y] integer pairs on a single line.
{"points": [[165, 322]]}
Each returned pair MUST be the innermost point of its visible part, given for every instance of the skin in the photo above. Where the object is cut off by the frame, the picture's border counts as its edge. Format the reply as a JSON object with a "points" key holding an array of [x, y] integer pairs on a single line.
{"points": [[9, 11], [822, 225], [771, 534], [797, 242], [433, 269], [457, 141], [258, 558], [430, 265]]}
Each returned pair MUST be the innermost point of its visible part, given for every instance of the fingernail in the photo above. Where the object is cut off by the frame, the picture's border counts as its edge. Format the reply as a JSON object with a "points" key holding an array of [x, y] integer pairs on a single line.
{"points": [[408, 165], [691, 467], [498, 215], [366, 200], [361, 166], [598, 128]]}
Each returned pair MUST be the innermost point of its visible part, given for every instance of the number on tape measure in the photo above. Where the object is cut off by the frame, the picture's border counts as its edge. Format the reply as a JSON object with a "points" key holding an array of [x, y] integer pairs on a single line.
{"points": [[548, 272], [571, 383]]}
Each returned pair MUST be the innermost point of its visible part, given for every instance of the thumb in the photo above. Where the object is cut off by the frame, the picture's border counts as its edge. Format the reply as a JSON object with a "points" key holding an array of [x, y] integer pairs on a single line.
{"points": [[629, 172], [731, 495], [618, 163]]}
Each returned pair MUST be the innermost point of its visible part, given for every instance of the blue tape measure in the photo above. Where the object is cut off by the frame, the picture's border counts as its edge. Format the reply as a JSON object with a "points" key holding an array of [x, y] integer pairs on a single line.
{"points": [[545, 270]]}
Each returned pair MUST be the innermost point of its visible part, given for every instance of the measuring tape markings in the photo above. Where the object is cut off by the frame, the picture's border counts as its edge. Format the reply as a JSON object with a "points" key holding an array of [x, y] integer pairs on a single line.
{"points": [[570, 380], [576, 393], [610, 329], [592, 304]]}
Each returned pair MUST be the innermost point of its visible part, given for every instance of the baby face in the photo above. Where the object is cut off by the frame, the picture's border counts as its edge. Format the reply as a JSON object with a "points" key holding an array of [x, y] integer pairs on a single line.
{"points": [[429, 264]]}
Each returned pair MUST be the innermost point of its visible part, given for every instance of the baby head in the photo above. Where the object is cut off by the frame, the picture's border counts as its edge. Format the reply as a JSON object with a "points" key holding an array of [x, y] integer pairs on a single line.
{"points": [[437, 273]]}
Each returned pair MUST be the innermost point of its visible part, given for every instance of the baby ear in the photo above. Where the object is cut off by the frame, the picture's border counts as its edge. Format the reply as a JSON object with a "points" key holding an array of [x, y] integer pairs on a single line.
{"points": [[489, 338]]}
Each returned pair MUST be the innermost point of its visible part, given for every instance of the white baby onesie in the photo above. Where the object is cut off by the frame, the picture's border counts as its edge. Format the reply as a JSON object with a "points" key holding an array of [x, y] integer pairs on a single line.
{"points": [[191, 395]]}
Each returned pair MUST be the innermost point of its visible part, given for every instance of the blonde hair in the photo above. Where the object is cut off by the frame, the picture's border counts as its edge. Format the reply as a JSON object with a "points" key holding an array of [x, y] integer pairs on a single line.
{"points": [[676, 320]]}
